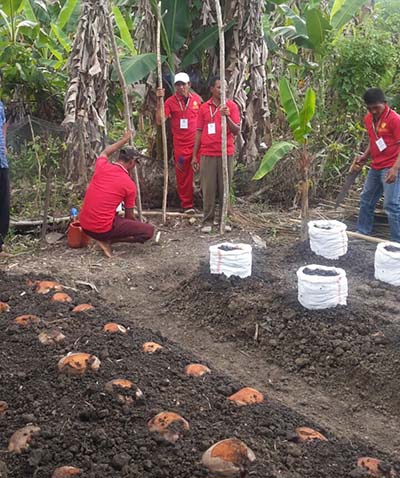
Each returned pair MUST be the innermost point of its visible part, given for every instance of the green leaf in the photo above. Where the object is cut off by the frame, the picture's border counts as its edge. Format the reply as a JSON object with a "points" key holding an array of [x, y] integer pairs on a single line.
{"points": [[343, 11], [289, 104], [317, 26], [124, 30], [205, 40], [65, 13], [137, 67], [297, 21], [306, 115], [177, 22], [275, 153], [28, 12], [61, 37], [10, 7]]}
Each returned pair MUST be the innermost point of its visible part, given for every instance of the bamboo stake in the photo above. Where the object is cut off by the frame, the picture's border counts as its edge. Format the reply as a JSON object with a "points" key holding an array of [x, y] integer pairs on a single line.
{"points": [[163, 129], [225, 173], [357, 235], [127, 112], [46, 206]]}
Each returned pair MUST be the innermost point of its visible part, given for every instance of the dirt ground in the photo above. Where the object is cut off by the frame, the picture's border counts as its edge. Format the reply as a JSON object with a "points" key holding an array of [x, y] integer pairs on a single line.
{"points": [[339, 368]]}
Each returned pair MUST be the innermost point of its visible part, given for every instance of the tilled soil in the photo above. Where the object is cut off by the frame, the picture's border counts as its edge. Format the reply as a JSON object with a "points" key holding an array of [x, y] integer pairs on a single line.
{"points": [[82, 425], [354, 348]]}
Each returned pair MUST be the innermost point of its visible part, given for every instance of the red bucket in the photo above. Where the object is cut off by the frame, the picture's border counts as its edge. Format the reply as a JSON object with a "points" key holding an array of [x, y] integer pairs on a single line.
{"points": [[76, 238]]}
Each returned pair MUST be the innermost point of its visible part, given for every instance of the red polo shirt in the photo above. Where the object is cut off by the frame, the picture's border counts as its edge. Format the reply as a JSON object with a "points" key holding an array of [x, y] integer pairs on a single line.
{"points": [[387, 128], [177, 110], [211, 137], [109, 186]]}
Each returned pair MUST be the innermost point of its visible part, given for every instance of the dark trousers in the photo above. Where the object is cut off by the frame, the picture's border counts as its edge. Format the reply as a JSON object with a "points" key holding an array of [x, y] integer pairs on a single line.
{"points": [[4, 204], [125, 230]]}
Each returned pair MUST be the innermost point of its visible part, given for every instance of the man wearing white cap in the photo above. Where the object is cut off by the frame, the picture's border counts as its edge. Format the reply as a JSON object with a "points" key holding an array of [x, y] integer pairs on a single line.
{"points": [[182, 109]]}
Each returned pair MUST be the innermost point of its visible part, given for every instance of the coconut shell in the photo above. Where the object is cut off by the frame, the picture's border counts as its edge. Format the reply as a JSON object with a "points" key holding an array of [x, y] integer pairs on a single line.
{"points": [[45, 286], [151, 347], [307, 434], [66, 471], [82, 308], [114, 328], [20, 439], [51, 337], [247, 396], [61, 297], [118, 386], [4, 307], [3, 407], [78, 363], [27, 319], [169, 425], [196, 370]]}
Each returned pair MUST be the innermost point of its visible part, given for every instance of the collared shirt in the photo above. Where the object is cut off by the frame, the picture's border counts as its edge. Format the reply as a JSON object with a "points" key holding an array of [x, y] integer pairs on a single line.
{"points": [[211, 136], [387, 128], [177, 110], [3, 159], [109, 186]]}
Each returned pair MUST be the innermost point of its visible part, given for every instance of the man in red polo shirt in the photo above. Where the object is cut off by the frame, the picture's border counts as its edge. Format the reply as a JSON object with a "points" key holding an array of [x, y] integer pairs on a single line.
{"points": [[182, 109], [209, 140], [110, 185], [383, 127]]}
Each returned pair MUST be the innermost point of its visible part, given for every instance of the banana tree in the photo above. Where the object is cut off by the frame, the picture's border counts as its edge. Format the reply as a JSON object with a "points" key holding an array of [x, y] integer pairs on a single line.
{"points": [[299, 119]]}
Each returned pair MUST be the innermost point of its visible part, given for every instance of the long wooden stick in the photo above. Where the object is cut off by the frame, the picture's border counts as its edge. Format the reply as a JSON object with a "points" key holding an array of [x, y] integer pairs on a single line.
{"points": [[357, 235], [127, 112], [163, 128], [225, 172], [46, 205]]}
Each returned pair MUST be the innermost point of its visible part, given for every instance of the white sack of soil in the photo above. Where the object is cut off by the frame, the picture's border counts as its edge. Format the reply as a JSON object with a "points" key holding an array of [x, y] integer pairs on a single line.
{"points": [[328, 238], [231, 259], [387, 262], [321, 287]]}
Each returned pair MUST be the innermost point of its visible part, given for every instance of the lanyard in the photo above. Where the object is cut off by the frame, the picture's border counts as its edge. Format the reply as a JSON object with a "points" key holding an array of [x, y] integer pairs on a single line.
{"points": [[180, 104], [376, 128], [216, 110]]}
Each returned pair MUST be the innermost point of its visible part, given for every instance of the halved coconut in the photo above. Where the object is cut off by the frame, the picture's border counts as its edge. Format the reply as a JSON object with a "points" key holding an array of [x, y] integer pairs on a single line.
{"points": [[3, 407], [45, 286], [4, 307], [247, 396], [376, 467], [66, 471], [78, 363], [306, 434], [151, 347], [61, 297], [229, 458], [125, 391], [114, 328], [20, 440], [169, 425], [51, 337], [27, 319], [82, 308], [196, 370]]}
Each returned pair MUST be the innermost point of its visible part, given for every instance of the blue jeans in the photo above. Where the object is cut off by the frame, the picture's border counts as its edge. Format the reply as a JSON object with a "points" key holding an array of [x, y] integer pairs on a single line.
{"points": [[374, 187]]}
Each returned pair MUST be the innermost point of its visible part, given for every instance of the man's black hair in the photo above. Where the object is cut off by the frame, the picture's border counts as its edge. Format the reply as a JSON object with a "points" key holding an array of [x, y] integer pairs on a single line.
{"points": [[374, 96], [126, 154], [213, 80]]}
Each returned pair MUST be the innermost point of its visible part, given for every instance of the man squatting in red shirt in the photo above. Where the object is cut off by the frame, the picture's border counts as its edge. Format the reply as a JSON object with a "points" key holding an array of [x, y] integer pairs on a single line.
{"points": [[110, 185], [383, 128], [209, 141], [182, 109]]}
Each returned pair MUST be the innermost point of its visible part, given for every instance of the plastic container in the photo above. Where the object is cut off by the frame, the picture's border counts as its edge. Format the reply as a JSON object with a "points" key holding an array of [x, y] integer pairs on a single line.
{"points": [[328, 238], [76, 237], [231, 259], [387, 263], [322, 291]]}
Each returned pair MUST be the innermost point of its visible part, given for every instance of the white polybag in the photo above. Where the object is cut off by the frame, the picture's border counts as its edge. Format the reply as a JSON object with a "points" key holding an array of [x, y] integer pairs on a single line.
{"points": [[328, 238], [236, 262], [387, 263], [322, 292]]}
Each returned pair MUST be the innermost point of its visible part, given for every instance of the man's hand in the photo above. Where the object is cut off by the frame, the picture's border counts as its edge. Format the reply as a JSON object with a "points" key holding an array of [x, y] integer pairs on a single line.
{"points": [[357, 164], [392, 175], [160, 92], [127, 135], [195, 164], [225, 111]]}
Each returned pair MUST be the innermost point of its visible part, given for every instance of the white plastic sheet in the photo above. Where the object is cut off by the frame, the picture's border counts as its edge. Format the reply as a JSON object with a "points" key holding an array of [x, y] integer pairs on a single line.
{"points": [[387, 263], [322, 292], [235, 262], [328, 238]]}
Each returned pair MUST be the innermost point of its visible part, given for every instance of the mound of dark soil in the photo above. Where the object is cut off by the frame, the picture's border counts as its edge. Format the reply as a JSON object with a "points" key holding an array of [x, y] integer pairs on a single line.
{"points": [[82, 425]]}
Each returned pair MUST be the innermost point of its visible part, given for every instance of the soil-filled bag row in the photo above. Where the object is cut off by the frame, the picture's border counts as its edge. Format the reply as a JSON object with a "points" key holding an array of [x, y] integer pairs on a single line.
{"points": [[387, 263], [321, 287], [328, 238], [231, 259]]}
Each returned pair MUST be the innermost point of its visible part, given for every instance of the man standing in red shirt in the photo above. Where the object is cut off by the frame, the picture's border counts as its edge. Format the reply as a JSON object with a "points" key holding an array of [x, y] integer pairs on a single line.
{"points": [[209, 140], [110, 185], [182, 108], [383, 127]]}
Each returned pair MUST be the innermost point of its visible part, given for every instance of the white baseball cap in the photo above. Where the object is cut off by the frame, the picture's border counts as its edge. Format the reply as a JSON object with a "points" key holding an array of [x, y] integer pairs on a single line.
{"points": [[183, 77]]}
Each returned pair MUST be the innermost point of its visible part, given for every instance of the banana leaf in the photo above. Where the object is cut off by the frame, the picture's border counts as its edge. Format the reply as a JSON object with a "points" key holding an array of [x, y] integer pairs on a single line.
{"points": [[275, 153], [343, 10], [289, 104]]}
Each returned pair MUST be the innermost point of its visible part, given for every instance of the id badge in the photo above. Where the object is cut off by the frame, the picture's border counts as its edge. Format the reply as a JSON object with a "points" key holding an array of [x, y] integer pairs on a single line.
{"points": [[184, 124], [380, 143], [211, 128]]}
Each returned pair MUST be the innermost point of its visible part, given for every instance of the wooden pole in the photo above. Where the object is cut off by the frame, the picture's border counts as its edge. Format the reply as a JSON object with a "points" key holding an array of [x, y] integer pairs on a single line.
{"points": [[357, 235], [46, 205], [225, 173], [127, 112], [163, 129]]}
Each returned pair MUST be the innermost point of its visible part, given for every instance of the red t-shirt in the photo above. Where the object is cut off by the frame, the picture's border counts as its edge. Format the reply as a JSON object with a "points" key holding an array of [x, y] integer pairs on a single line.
{"points": [[109, 186], [183, 120], [387, 128], [211, 136]]}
